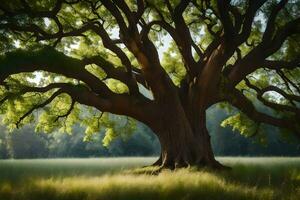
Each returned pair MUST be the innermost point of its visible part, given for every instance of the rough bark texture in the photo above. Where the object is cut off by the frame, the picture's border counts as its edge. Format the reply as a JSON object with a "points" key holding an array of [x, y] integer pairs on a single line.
{"points": [[183, 136], [182, 147]]}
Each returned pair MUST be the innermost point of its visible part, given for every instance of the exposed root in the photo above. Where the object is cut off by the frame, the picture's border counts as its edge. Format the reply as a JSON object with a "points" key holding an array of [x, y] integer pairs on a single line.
{"points": [[158, 162], [218, 166], [212, 165], [156, 170]]}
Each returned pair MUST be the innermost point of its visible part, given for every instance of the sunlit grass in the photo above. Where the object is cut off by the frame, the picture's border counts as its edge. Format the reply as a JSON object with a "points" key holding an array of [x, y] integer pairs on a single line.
{"points": [[16, 170], [108, 179]]}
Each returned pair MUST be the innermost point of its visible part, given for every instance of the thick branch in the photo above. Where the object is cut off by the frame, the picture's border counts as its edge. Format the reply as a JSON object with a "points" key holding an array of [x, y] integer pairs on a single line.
{"points": [[48, 59], [223, 8], [290, 97], [281, 64], [256, 58], [117, 15], [115, 73], [291, 28], [185, 44]]}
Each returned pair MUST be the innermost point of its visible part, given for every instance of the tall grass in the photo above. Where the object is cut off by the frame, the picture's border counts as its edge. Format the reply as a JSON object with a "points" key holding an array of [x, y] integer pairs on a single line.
{"points": [[108, 179]]}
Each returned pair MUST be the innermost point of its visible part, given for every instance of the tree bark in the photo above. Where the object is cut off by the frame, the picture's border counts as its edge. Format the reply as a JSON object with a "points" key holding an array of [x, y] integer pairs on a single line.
{"points": [[184, 143]]}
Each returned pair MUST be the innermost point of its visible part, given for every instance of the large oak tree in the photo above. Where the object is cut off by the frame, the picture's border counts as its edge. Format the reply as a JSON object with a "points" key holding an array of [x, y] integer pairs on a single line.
{"points": [[106, 54]]}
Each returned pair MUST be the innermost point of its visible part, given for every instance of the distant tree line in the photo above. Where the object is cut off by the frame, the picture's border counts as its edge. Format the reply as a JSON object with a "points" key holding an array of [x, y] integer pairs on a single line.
{"points": [[269, 141], [26, 143]]}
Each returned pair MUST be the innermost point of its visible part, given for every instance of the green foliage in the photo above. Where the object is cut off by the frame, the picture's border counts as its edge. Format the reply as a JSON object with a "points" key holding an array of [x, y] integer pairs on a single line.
{"points": [[246, 127], [241, 123], [173, 65], [73, 16], [97, 71], [117, 86], [120, 127], [109, 136]]}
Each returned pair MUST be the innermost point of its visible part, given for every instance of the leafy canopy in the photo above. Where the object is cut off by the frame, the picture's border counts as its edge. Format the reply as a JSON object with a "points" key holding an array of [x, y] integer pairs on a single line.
{"points": [[58, 55]]}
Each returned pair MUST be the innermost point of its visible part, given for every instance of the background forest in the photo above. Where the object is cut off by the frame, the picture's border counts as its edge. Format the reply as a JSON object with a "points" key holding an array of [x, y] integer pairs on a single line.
{"points": [[26, 143]]}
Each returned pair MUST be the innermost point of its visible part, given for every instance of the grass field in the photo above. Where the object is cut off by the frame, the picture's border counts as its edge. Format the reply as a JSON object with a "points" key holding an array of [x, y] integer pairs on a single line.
{"points": [[121, 178]]}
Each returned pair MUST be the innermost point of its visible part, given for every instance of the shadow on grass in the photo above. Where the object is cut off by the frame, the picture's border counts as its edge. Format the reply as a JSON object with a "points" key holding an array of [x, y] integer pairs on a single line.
{"points": [[248, 179], [182, 184]]}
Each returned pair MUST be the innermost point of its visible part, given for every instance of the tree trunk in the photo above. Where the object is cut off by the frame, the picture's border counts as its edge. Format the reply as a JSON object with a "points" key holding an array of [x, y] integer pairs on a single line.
{"points": [[184, 144]]}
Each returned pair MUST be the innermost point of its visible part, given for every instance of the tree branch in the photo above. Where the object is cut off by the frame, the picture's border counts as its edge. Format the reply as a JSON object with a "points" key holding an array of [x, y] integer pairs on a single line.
{"points": [[56, 62], [45, 103], [68, 111], [115, 73], [117, 15], [269, 31], [223, 8], [237, 99], [248, 20], [256, 58], [275, 106], [281, 64]]}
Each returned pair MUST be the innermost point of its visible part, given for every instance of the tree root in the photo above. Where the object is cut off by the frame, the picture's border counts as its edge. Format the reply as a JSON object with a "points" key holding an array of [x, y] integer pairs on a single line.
{"points": [[212, 165]]}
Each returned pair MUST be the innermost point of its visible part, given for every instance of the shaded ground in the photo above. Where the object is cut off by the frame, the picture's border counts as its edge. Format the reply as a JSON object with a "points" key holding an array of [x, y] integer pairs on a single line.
{"points": [[118, 178]]}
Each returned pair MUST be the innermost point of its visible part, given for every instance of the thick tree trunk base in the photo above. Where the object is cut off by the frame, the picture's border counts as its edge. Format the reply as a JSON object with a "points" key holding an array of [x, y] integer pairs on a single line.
{"points": [[156, 169], [187, 150], [184, 139], [212, 164]]}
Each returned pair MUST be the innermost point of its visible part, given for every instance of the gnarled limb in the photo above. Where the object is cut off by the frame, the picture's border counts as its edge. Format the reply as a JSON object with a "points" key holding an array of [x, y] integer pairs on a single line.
{"points": [[74, 68], [237, 99], [276, 106]]}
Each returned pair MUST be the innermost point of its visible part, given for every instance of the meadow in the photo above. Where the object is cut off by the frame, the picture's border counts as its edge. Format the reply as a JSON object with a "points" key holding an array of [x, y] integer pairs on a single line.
{"points": [[124, 178]]}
